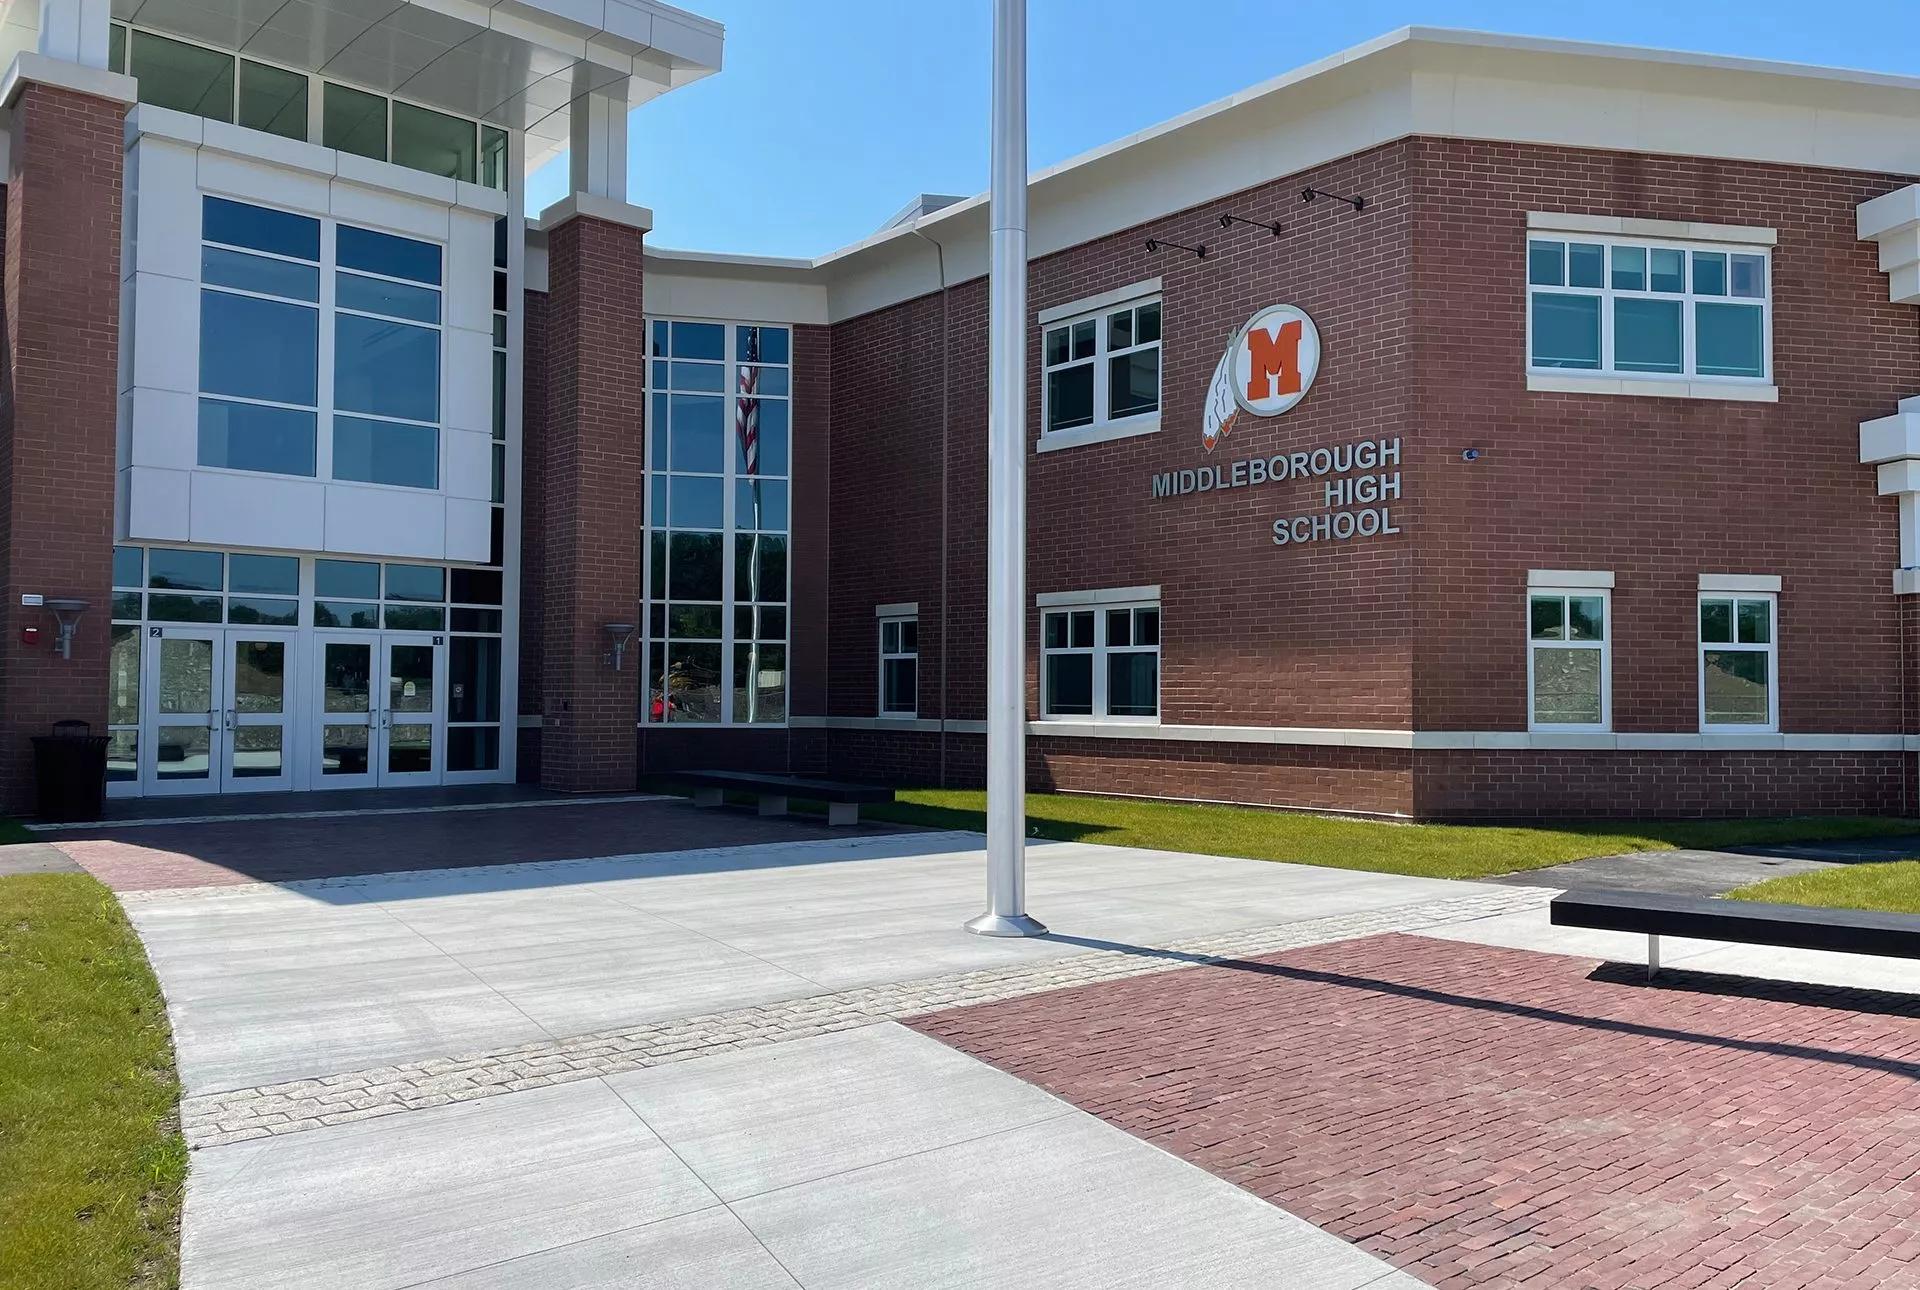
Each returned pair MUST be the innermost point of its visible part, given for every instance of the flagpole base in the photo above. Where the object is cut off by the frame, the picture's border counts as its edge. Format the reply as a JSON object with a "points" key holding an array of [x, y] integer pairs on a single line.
{"points": [[991, 924]]}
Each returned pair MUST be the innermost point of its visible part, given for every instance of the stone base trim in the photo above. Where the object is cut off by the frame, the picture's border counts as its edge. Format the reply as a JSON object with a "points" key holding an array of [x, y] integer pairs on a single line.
{"points": [[293, 1106]]}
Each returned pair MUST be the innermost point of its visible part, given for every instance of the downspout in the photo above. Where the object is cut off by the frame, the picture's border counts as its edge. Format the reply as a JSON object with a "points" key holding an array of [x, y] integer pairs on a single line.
{"points": [[946, 395]]}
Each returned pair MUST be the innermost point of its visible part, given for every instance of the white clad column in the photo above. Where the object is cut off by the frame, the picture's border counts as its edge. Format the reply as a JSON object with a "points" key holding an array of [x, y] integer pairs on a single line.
{"points": [[75, 31], [597, 150]]}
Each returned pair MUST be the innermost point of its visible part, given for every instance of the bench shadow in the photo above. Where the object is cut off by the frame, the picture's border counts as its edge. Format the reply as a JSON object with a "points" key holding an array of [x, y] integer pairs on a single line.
{"points": [[1851, 999]]}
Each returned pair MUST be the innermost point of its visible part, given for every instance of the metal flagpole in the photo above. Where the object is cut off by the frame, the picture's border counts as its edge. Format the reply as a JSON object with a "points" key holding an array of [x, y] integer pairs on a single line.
{"points": [[1007, 487]]}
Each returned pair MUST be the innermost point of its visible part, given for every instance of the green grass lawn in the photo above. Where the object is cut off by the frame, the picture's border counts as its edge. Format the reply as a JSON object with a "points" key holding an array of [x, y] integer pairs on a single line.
{"points": [[1893, 888], [1427, 850], [91, 1158]]}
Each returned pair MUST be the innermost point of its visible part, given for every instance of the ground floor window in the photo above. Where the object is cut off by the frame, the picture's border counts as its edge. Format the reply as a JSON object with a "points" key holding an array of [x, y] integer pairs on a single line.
{"points": [[1569, 673], [1739, 684], [235, 671], [1101, 662], [899, 666]]}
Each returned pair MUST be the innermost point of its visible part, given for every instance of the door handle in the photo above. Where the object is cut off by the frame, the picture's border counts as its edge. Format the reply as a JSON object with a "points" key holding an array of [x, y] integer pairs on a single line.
{"points": [[230, 719]]}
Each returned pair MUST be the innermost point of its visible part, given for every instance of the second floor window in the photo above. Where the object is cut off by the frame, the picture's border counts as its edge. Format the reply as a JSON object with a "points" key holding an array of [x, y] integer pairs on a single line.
{"points": [[1103, 368]]}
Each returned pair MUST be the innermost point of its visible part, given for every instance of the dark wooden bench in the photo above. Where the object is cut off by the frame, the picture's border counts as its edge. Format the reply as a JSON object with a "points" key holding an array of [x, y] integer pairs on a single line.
{"points": [[843, 801], [1794, 927]]}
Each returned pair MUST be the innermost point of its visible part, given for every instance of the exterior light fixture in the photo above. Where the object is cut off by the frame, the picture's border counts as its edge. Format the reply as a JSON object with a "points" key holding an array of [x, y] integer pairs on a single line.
{"points": [[66, 612], [1155, 243], [1228, 221], [618, 634], [1308, 194]]}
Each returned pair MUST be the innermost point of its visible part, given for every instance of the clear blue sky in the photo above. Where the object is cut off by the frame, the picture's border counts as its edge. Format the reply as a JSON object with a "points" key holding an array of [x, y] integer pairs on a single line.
{"points": [[830, 114]]}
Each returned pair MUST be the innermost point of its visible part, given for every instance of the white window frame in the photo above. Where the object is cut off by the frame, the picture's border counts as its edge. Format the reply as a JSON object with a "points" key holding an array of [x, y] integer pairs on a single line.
{"points": [[1604, 646], [1101, 652], [1688, 379], [1771, 649], [1103, 426], [897, 621]]}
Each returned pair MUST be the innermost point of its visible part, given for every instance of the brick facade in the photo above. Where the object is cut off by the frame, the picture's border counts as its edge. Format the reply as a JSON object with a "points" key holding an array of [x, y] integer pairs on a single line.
{"points": [[58, 409]]}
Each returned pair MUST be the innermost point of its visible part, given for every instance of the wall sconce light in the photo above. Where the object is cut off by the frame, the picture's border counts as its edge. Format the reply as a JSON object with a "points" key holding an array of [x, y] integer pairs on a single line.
{"points": [[1199, 252], [1308, 194], [618, 634], [66, 612], [1228, 221]]}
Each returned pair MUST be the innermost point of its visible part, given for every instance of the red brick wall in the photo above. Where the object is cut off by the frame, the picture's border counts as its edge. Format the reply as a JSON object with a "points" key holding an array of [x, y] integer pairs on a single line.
{"points": [[588, 481], [57, 412]]}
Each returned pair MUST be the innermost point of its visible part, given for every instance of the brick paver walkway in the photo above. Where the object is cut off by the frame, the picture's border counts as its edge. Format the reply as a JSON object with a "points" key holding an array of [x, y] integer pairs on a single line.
{"points": [[1498, 1117]]}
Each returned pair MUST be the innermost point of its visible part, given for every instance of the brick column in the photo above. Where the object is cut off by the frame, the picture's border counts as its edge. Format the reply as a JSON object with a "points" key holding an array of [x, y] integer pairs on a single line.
{"points": [[58, 401], [590, 480]]}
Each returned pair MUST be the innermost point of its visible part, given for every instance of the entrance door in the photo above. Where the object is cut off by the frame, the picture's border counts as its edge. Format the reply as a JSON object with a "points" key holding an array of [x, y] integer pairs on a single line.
{"points": [[411, 726], [261, 734], [183, 683]]}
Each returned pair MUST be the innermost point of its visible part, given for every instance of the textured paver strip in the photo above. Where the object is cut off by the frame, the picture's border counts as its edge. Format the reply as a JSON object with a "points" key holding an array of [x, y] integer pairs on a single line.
{"points": [[296, 1105], [1480, 1115]]}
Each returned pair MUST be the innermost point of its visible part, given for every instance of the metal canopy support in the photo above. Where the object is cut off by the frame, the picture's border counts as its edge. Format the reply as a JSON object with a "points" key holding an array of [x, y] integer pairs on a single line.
{"points": [[1007, 487]]}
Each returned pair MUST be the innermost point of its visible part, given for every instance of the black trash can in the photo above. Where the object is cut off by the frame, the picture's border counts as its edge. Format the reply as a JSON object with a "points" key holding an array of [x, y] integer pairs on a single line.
{"points": [[70, 766]]}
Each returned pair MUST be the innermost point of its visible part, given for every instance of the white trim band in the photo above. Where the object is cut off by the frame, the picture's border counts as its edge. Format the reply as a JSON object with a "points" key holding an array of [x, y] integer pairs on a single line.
{"points": [[1132, 427], [1570, 578], [1630, 226], [1652, 387], [1755, 582], [1103, 596], [1091, 304]]}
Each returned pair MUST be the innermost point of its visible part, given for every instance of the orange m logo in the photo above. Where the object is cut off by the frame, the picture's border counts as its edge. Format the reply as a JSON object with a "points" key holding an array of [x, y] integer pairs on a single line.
{"points": [[1275, 369]]}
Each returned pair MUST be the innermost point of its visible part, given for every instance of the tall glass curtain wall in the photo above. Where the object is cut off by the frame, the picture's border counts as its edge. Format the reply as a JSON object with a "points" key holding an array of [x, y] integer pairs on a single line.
{"points": [[718, 518]]}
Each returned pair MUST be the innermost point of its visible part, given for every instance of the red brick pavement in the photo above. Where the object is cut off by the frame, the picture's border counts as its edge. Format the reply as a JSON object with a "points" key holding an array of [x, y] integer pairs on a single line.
{"points": [[1497, 1117], [222, 853]]}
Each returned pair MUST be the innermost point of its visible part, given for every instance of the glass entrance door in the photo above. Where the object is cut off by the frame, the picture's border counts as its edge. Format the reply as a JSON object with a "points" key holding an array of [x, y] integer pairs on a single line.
{"points": [[183, 682], [412, 723], [346, 725], [259, 722]]}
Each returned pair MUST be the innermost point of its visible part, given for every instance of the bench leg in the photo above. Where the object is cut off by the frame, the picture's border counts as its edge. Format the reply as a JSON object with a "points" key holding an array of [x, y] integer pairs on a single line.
{"points": [[707, 797], [1653, 954], [773, 806], [840, 814]]}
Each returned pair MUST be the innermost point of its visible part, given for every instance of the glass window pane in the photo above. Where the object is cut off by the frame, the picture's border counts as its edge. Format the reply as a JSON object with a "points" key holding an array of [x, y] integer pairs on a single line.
{"points": [[763, 345], [1070, 397], [658, 347], [182, 752], [259, 229], [1566, 687], [493, 157], [426, 583], [262, 612], [698, 502], [259, 349], [1729, 340], [259, 675], [123, 677], [416, 618], [389, 369], [343, 750], [434, 142], [386, 452], [387, 255], [1119, 627], [698, 377], [1709, 273], [220, 267], [1080, 623], [123, 756], [169, 607], [1069, 685], [1133, 383], [1750, 275], [473, 747], [1146, 323], [348, 579], [760, 567], [770, 442], [1716, 621], [474, 620], [1629, 268], [1546, 263], [117, 48], [1736, 688], [1084, 334], [693, 683], [273, 99], [900, 685], [694, 622], [1057, 348], [1120, 330], [760, 504], [1055, 632], [1646, 335], [1547, 617], [127, 567], [694, 562], [1566, 330], [889, 638], [184, 570], [1146, 627], [378, 296], [760, 683], [1133, 685], [1755, 621], [699, 340], [353, 121], [1667, 269], [1586, 618], [186, 78], [773, 626], [129, 605], [248, 436], [186, 677], [342, 613], [765, 380], [476, 586], [264, 575], [698, 444], [1585, 264]]}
